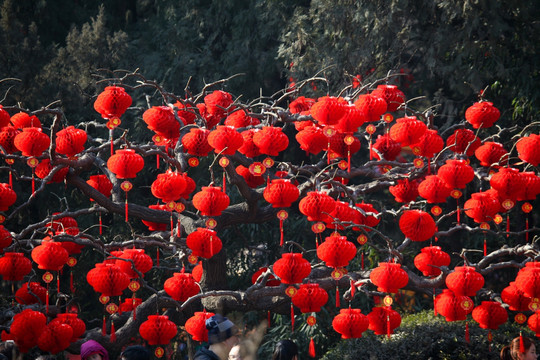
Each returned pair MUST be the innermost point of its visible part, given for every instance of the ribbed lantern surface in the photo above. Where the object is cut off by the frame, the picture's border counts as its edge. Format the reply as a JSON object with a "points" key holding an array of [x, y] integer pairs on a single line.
{"points": [[55, 337], [108, 279], [168, 186], [508, 182], [417, 225], [351, 120], [158, 330], [389, 277], [32, 142], [181, 286], [27, 327], [211, 201], [101, 183], [430, 259], [315, 205], [387, 147], [271, 140], [336, 251], [453, 307], [50, 255], [70, 141], [391, 94], [405, 190], [482, 114], [292, 268], [252, 181], [23, 120], [456, 173], [139, 260], [7, 139], [407, 130], [429, 144], [465, 280], [491, 153], [350, 323], [196, 142], [7, 196], [328, 110], [125, 163], [161, 120], [528, 279], [463, 141], [225, 140], [515, 298], [481, 207], [371, 105], [527, 148], [383, 320], [204, 243], [434, 190], [31, 293], [310, 298], [490, 315], [71, 319], [312, 140], [14, 266], [196, 325], [112, 102], [248, 147]]}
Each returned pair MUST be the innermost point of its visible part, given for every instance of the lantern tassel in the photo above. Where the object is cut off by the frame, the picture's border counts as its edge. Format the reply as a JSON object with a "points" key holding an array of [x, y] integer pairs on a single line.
{"points": [[467, 335], [104, 327], [281, 232], [485, 247], [10, 178], [292, 318], [353, 289], [224, 182], [134, 309], [268, 318], [458, 214], [100, 225], [362, 259], [112, 141], [370, 153], [58, 283], [312, 348], [47, 300], [157, 161], [178, 227], [126, 207], [388, 327], [33, 182], [348, 159], [113, 332], [521, 344], [337, 297], [507, 225]]}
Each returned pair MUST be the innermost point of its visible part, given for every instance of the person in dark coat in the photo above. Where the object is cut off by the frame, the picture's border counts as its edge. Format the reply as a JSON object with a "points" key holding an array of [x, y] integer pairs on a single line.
{"points": [[222, 336]]}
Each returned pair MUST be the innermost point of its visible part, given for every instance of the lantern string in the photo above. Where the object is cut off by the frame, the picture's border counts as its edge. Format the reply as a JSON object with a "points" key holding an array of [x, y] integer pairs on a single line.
{"points": [[281, 232], [10, 178], [112, 141]]}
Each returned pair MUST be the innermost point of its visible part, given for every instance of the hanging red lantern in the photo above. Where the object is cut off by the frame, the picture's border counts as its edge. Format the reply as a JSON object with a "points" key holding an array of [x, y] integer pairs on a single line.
{"points": [[218, 103], [430, 143], [161, 120], [125, 163], [482, 114], [14, 266], [44, 168], [271, 140], [371, 105], [158, 330], [7, 139], [434, 189], [26, 328], [452, 306], [310, 298], [108, 279], [328, 110], [527, 148], [389, 277], [315, 205], [130, 304], [391, 94], [407, 130], [528, 279], [300, 104], [50, 256], [7, 196], [464, 280], [490, 315], [4, 117], [530, 186], [515, 298], [430, 259], [181, 286], [271, 280], [456, 173], [336, 251], [248, 147], [154, 226], [463, 140], [341, 217], [101, 183], [240, 119], [405, 190], [211, 201], [77, 325], [339, 147], [190, 186], [23, 120], [5, 238], [508, 182], [31, 293], [32, 142], [387, 147], [383, 320], [64, 225], [481, 207], [534, 323], [196, 325], [491, 153], [351, 120], [168, 186], [112, 102], [70, 141], [196, 142], [417, 225], [350, 323], [369, 220], [312, 140], [186, 112], [142, 262], [252, 181], [210, 119], [204, 243], [55, 337], [197, 272], [225, 140], [292, 268]]}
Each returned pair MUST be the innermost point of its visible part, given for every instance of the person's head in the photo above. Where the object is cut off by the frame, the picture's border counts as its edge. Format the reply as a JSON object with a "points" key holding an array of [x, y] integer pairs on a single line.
{"points": [[221, 331], [285, 350], [235, 353], [92, 350], [135, 352], [512, 351]]}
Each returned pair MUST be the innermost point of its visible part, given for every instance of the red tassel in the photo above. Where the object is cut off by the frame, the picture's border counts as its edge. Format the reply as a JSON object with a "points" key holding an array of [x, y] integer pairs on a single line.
{"points": [[10, 179], [337, 297], [348, 159], [312, 348], [104, 327], [126, 207], [370, 153], [211, 247], [353, 289], [224, 182], [485, 247], [362, 259], [47, 300], [33, 183], [157, 161], [178, 227], [292, 318], [100, 225], [113, 332], [458, 215], [467, 337], [58, 283], [269, 318], [281, 232], [521, 344], [507, 225], [388, 327]]}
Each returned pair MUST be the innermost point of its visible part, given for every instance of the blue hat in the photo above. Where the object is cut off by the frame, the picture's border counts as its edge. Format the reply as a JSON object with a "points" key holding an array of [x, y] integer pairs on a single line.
{"points": [[220, 329]]}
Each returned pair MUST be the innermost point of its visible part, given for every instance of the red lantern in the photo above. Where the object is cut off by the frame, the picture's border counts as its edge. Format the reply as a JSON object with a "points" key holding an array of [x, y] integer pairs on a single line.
{"points": [[527, 148], [300, 104], [369, 220], [429, 144], [101, 183], [528, 279], [508, 183], [351, 120], [315, 205], [463, 140], [161, 120], [181, 286], [530, 186], [391, 94], [197, 272], [490, 315], [240, 119], [186, 112], [44, 168], [341, 216], [312, 140], [405, 190], [417, 225], [5, 238], [491, 153], [14, 266], [310, 298], [218, 102], [158, 330], [292, 268], [340, 148], [4, 117], [464, 280], [22, 120], [204, 243], [387, 147], [77, 325], [108, 279], [129, 304], [70, 141], [7, 196], [350, 323], [482, 115], [534, 323], [7, 139], [515, 298], [271, 140], [407, 130], [32, 142], [482, 207], [434, 190], [125, 163], [225, 140], [142, 262], [371, 105], [248, 147], [168, 186], [328, 110], [26, 328], [31, 293], [456, 173], [336, 251], [196, 142], [55, 337], [211, 201], [252, 181], [452, 306], [383, 320], [154, 226], [64, 225], [430, 259], [112, 102], [50, 255], [389, 277], [196, 325], [271, 280]]}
